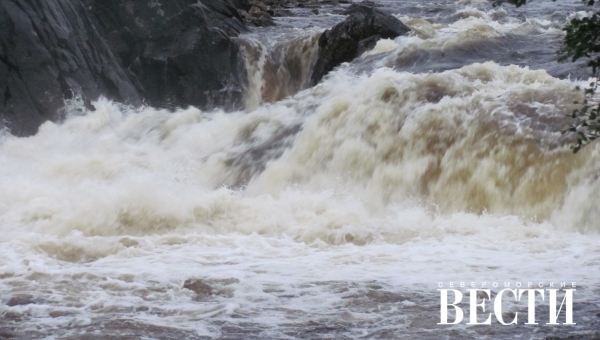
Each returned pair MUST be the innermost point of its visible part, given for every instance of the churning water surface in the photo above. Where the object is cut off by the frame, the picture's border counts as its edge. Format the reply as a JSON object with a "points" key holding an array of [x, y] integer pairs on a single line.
{"points": [[330, 212]]}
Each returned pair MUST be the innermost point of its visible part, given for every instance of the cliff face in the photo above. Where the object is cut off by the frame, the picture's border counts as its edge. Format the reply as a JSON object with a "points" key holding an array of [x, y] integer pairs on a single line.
{"points": [[167, 53], [180, 51], [49, 51]]}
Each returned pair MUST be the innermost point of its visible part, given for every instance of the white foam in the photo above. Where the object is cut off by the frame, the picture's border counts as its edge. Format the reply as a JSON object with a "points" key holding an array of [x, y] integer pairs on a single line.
{"points": [[394, 178]]}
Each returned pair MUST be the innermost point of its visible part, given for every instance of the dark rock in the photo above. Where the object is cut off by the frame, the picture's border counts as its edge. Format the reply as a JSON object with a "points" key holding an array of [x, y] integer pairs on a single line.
{"points": [[341, 43], [315, 11], [59, 313], [243, 14], [261, 6], [19, 300], [181, 51], [254, 9], [272, 3], [259, 14], [261, 19], [368, 3], [241, 4], [205, 289], [51, 51], [167, 53], [198, 286], [281, 12], [367, 44]]}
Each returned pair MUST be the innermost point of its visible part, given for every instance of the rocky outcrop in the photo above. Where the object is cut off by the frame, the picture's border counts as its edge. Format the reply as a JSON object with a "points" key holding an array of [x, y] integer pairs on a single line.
{"points": [[362, 28], [180, 51], [49, 51], [166, 53], [255, 12]]}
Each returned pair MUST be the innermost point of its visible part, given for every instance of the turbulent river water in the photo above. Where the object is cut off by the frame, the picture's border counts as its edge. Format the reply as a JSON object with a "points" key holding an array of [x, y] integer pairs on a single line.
{"points": [[329, 212]]}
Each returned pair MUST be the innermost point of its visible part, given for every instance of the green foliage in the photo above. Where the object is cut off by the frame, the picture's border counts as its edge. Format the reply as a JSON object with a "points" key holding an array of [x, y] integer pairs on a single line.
{"points": [[582, 40]]}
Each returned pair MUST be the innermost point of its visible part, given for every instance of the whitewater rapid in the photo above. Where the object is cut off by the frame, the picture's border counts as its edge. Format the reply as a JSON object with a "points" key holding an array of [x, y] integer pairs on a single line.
{"points": [[331, 213]]}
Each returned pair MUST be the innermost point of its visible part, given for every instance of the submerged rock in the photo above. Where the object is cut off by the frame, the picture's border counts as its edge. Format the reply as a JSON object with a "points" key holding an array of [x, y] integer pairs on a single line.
{"points": [[198, 286], [362, 28]]}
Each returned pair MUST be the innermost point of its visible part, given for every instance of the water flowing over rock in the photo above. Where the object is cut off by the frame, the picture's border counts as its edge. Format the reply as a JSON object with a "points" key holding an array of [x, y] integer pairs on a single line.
{"points": [[343, 42], [431, 161], [168, 54]]}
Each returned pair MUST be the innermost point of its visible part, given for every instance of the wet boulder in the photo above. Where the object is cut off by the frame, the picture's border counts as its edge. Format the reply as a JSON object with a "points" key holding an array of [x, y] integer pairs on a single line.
{"points": [[280, 12], [362, 28], [50, 51], [257, 13], [261, 19], [368, 44], [258, 5], [168, 54], [241, 4], [181, 52]]}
